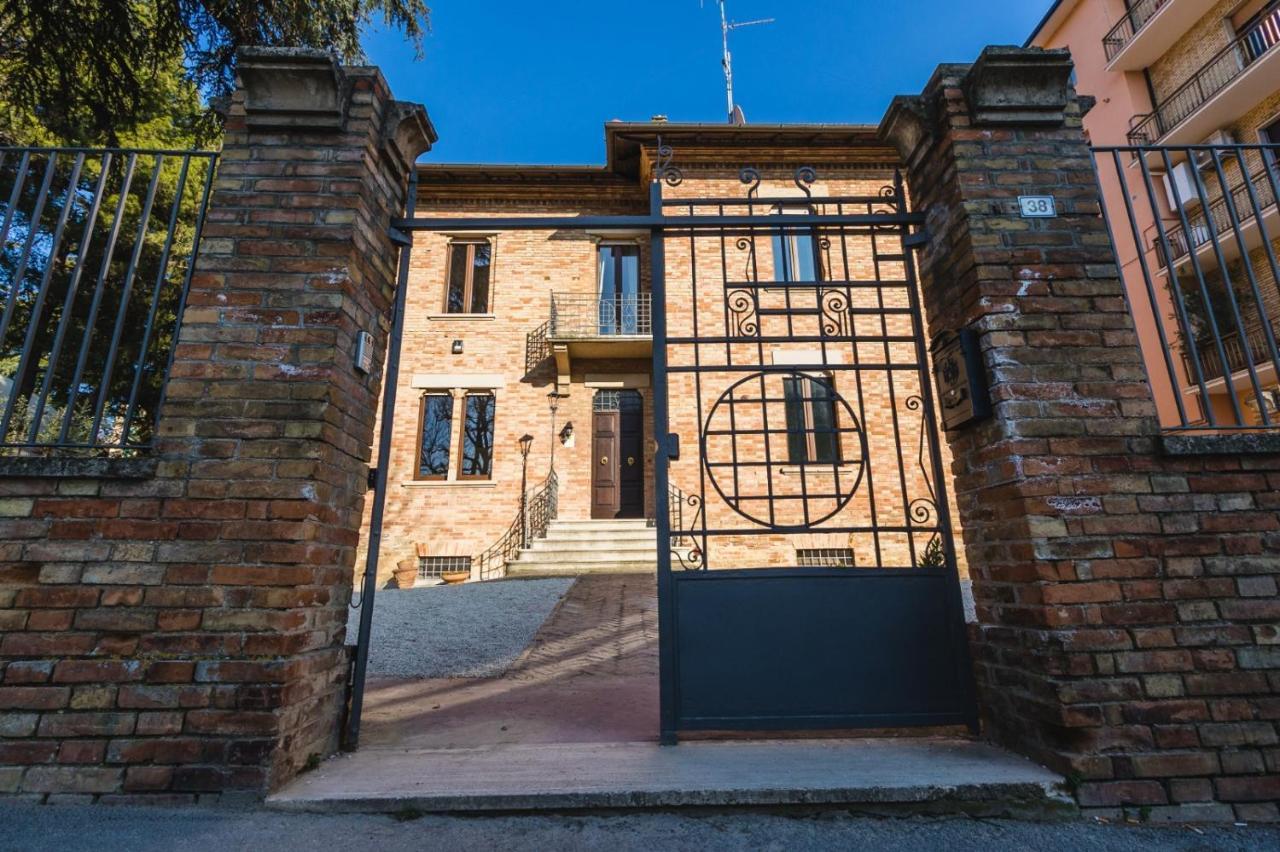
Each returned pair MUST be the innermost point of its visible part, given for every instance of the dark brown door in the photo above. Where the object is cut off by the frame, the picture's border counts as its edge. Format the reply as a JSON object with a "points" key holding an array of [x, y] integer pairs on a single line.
{"points": [[631, 458], [606, 493], [617, 446]]}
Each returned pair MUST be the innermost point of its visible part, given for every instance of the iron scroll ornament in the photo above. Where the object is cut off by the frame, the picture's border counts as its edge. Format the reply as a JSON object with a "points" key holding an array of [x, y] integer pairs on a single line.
{"points": [[663, 169], [840, 478]]}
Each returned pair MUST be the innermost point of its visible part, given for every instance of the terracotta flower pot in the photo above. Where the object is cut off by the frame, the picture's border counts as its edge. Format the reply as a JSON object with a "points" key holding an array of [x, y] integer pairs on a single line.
{"points": [[406, 573], [455, 577]]}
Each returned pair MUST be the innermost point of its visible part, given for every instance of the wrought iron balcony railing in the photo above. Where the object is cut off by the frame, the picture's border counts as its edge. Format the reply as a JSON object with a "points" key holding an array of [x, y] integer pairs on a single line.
{"points": [[1212, 77], [1135, 18], [1216, 221], [579, 316]]}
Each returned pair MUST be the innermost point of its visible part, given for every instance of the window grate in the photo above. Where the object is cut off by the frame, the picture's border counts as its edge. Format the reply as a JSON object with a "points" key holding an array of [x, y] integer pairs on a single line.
{"points": [[435, 567], [825, 557]]}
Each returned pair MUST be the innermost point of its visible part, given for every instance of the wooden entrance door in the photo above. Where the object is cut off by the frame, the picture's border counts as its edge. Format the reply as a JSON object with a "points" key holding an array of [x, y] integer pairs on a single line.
{"points": [[617, 446]]}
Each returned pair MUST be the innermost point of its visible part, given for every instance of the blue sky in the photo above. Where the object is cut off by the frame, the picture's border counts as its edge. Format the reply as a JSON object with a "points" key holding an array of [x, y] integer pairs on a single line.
{"points": [[518, 81]]}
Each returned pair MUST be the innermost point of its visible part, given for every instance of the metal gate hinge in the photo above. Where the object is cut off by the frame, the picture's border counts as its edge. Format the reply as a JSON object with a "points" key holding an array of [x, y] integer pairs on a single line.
{"points": [[373, 477], [399, 237]]}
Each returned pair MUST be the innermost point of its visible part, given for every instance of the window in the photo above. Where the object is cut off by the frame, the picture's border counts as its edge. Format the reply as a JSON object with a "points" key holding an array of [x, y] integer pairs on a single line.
{"points": [[435, 433], [1270, 135], [477, 437], [825, 557], [619, 289], [468, 277], [795, 253], [811, 421], [435, 567]]}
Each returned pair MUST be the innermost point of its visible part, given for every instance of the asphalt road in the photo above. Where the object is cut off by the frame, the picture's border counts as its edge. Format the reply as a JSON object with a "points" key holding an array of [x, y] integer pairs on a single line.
{"points": [[67, 828]]}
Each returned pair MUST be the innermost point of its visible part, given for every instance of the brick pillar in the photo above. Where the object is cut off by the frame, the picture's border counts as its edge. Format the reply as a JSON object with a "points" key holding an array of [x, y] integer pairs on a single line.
{"points": [[267, 416], [1125, 580], [177, 625]]}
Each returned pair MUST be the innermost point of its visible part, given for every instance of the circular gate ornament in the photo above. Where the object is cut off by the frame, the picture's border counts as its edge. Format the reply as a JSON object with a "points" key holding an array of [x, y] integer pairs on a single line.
{"points": [[784, 449]]}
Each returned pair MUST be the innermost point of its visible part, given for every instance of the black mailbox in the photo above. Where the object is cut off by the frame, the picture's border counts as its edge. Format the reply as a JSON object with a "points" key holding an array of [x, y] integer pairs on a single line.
{"points": [[963, 397]]}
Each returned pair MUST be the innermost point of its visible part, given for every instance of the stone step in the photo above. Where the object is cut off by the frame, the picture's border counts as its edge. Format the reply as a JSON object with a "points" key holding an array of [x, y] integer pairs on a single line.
{"points": [[558, 545], [575, 569], [586, 556], [573, 534], [932, 777], [588, 524]]}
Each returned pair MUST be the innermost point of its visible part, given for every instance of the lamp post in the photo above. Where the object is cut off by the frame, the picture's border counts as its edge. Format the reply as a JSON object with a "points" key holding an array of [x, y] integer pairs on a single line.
{"points": [[553, 400], [525, 442]]}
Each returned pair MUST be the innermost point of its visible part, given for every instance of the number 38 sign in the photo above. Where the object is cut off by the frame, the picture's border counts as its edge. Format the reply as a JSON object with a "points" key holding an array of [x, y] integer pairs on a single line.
{"points": [[1038, 206]]}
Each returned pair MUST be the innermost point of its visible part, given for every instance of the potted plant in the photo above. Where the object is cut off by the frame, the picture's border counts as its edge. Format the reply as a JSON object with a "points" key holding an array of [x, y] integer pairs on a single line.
{"points": [[406, 573], [454, 577]]}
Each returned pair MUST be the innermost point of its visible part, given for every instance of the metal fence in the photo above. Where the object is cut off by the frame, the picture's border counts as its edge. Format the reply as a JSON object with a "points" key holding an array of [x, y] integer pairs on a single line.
{"points": [[1197, 231], [96, 252]]}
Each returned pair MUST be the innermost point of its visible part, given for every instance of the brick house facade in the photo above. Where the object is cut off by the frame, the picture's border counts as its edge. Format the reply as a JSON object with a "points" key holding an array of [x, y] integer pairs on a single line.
{"points": [[508, 346]]}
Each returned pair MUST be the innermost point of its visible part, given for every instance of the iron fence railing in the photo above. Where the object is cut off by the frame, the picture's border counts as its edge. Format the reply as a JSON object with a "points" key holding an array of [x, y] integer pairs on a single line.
{"points": [[1216, 219], [97, 248], [684, 546], [1214, 313], [575, 315], [531, 523], [1210, 79], [1133, 20]]}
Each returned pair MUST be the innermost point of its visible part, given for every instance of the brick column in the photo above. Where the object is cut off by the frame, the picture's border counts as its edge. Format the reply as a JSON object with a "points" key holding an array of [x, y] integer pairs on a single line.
{"points": [[182, 632], [1125, 581]]}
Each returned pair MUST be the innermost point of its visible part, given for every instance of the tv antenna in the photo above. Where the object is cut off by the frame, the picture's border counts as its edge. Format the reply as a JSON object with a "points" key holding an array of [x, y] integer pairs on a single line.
{"points": [[727, 26]]}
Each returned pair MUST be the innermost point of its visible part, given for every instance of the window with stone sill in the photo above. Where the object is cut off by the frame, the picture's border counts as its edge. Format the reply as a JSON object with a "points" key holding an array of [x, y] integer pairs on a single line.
{"points": [[468, 277]]}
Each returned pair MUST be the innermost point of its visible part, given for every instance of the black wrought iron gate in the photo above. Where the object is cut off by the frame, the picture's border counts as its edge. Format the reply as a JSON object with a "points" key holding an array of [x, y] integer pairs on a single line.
{"points": [[814, 584], [806, 574]]}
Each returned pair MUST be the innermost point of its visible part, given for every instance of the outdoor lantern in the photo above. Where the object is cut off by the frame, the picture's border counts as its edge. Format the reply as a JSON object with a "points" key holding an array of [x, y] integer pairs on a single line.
{"points": [[525, 442]]}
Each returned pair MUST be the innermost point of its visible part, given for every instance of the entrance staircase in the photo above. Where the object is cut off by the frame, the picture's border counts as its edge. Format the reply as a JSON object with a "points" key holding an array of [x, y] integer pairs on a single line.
{"points": [[571, 548]]}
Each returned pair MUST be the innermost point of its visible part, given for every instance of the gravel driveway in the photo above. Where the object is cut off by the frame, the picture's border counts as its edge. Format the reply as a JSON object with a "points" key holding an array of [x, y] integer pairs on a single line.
{"points": [[469, 630]]}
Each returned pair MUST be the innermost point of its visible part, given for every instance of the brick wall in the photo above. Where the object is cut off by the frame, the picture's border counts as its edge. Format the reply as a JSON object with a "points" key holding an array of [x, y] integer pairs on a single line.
{"points": [[175, 624], [1126, 596]]}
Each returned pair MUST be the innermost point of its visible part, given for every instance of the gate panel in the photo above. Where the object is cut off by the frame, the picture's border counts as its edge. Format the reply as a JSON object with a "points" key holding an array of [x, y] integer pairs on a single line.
{"points": [[814, 582]]}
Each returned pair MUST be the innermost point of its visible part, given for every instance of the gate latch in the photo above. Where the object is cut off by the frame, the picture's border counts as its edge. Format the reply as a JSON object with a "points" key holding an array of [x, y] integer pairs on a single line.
{"points": [[673, 446]]}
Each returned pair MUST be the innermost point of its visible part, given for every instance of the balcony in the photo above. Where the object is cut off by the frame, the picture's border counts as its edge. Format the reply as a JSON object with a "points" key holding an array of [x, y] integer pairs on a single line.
{"points": [[1238, 359], [1148, 30], [587, 327], [1214, 226], [1223, 89]]}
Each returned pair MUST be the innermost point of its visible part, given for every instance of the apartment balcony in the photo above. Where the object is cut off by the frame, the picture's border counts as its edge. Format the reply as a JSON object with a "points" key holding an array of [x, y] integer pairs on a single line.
{"points": [[1234, 81], [1148, 30], [1237, 358], [1212, 233]]}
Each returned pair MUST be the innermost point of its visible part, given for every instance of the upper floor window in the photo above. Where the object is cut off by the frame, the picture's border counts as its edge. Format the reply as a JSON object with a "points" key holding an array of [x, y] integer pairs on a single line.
{"points": [[795, 251], [812, 436], [435, 434], [619, 267], [468, 277], [477, 437]]}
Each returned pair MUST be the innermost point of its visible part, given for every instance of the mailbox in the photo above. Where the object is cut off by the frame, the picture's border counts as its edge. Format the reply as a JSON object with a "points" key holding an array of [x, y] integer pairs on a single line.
{"points": [[963, 397]]}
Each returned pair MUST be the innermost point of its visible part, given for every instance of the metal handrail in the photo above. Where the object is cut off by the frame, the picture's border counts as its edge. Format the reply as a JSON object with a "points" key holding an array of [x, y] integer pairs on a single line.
{"points": [[1217, 220], [541, 509], [1210, 79], [581, 315], [684, 546], [1134, 19]]}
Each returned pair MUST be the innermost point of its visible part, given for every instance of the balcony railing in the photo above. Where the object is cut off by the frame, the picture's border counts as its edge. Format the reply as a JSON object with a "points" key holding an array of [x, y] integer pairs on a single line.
{"points": [[1217, 221], [1135, 18], [1257, 356], [1212, 77], [582, 316]]}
